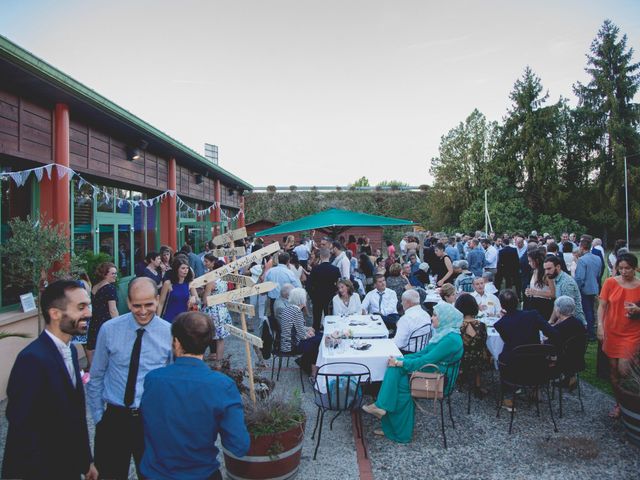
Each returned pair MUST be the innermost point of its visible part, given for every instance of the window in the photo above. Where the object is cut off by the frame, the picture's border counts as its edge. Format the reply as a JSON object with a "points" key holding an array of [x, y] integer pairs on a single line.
{"points": [[83, 229]]}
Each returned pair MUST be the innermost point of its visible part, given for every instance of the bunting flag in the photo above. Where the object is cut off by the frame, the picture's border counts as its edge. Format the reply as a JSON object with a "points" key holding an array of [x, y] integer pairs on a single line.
{"points": [[20, 178]]}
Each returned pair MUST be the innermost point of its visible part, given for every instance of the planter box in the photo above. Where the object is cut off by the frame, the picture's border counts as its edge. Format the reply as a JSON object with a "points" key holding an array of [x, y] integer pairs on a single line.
{"points": [[630, 408], [269, 457]]}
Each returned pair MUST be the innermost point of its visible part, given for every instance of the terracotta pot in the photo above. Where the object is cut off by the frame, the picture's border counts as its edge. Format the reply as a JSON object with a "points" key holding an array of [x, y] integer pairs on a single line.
{"points": [[274, 457], [630, 409]]}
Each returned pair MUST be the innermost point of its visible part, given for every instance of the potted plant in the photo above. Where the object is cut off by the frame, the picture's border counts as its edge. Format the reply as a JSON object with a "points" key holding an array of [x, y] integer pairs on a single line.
{"points": [[276, 427], [627, 392]]}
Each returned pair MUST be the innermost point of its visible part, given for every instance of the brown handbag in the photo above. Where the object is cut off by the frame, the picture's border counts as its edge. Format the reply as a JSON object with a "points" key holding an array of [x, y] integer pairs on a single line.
{"points": [[427, 384]]}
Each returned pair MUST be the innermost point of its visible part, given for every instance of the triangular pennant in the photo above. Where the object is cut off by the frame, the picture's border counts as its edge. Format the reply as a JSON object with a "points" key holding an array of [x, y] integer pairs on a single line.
{"points": [[173, 193], [48, 170], [62, 171], [38, 172]]}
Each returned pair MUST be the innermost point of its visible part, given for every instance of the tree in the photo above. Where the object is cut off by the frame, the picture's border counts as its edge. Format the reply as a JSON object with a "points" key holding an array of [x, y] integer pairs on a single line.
{"points": [[460, 171], [530, 144], [361, 182], [609, 122], [392, 184]]}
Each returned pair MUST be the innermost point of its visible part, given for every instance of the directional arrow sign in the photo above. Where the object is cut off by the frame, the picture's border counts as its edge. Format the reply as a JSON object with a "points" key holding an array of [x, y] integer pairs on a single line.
{"points": [[241, 308], [240, 293], [231, 236], [229, 252], [231, 267], [239, 280], [237, 332]]}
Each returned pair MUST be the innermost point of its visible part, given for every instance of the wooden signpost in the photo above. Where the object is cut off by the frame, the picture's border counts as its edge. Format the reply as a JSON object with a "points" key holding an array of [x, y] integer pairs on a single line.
{"points": [[229, 252], [239, 280], [230, 237], [235, 265], [241, 308], [240, 293], [249, 338]]}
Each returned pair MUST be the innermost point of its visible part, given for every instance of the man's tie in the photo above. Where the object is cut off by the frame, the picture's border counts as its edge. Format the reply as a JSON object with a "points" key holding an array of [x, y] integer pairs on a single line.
{"points": [[68, 362], [134, 363], [381, 294]]}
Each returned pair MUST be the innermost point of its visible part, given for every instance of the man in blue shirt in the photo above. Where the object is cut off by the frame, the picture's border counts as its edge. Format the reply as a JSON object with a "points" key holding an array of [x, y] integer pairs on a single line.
{"points": [[588, 272], [186, 405], [476, 258], [129, 347]]}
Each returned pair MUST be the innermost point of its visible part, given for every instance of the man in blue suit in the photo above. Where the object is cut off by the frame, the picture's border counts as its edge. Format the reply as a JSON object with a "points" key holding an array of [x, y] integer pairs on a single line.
{"points": [[47, 435]]}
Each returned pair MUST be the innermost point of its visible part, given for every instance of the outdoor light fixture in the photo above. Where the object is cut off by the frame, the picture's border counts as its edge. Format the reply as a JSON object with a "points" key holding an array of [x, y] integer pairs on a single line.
{"points": [[199, 178], [133, 154]]}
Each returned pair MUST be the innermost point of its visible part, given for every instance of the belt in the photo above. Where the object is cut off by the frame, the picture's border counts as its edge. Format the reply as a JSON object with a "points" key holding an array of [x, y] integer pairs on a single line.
{"points": [[134, 412]]}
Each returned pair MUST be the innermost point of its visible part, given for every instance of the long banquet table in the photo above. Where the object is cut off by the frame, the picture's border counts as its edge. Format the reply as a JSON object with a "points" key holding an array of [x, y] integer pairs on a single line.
{"points": [[361, 326]]}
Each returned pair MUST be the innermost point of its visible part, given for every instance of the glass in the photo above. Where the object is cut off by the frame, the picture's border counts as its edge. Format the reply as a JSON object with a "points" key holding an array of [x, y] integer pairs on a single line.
{"points": [[104, 204], [106, 239], [15, 202], [124, 250]]}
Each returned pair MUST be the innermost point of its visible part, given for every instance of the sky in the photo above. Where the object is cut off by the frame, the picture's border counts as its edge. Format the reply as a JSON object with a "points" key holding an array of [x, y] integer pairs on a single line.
{"points": [[299, 92]]}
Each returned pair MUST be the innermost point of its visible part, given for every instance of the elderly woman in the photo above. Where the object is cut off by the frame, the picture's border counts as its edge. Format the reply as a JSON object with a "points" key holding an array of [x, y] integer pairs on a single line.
{"points": [[464, 280], [346, 302], [397, 282], [294, 335], [394, 405], [567, 325]]}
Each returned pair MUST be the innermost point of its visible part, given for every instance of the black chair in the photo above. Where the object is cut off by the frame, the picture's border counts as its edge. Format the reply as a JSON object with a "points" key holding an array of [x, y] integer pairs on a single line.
{"points": [[571, 363], [279, 354], [528, 367], [416, 342], [450, 370], [343, 392]]}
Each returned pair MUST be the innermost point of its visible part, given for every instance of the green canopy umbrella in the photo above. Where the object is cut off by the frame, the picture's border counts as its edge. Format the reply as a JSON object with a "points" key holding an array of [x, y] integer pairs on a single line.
{"points": [[333, 222]]}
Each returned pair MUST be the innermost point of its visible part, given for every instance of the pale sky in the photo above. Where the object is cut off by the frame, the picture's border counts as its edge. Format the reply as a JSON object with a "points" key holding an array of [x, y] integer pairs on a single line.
{"points": [[315, 92]]}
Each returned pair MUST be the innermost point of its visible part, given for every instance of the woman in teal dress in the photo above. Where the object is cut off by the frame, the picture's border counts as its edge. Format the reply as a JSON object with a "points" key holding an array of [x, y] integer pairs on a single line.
{"points": [[394, 405]]}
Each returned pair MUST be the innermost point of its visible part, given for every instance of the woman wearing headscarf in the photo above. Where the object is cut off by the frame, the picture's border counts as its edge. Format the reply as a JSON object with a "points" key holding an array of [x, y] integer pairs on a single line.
{"points": [[394, 405]]}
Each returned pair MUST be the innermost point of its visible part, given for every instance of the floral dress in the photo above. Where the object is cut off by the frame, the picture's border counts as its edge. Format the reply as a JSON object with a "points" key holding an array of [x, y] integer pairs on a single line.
{"points": [[219, 313], [474, 338]]}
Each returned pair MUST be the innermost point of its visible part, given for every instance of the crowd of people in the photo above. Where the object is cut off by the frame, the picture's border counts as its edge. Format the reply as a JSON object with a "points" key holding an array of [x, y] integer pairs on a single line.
{"points": [[145, 364]]}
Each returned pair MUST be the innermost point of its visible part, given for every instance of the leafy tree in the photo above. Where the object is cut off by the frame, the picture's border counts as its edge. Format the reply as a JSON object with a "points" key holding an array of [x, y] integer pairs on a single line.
{"points": [[392, 184], [609, 122], [361, 182]]}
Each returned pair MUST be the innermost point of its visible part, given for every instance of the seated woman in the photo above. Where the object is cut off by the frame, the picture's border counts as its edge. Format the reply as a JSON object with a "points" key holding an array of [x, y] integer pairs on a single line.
{"points": [[474, 338], [346, 302], [568, 326], [394, 405], [294, 335], [448, 293]]}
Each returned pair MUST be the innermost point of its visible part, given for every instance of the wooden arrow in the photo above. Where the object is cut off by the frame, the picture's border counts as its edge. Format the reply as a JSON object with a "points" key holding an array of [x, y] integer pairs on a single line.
{"points": [[238, 332], [229, 252], [241, 308], [239, 280], [233, 266], [230, 237], [240, 293]]}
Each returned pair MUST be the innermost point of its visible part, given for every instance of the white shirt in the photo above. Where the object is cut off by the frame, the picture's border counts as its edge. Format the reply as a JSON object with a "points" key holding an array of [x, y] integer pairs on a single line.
{"points": [[302, 251], [491, 257], [343, 263], [489, 287], [415, 321], [65, 352], [372, 304], [354, 307], [490, 301], [403, 246]]}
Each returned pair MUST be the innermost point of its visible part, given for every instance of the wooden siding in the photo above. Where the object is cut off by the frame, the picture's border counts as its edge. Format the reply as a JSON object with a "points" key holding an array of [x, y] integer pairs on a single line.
{"points": [[26, 129]]}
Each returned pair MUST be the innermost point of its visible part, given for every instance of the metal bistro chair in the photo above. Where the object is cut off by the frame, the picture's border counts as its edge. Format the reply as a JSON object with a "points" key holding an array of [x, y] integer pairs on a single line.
{"points": [[279, 355], [340, 392], [571, 362], [529, 366], [450, 371], [416, 342]]}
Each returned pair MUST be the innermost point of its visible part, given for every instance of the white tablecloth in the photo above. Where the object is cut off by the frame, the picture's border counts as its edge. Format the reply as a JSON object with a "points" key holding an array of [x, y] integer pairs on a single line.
{"points": [[432, 297], [373, 328], [494, 342], [375, 358]]}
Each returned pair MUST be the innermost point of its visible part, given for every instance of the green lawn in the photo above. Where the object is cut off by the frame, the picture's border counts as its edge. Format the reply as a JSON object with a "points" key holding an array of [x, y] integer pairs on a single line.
{"points": [[589, 374]]}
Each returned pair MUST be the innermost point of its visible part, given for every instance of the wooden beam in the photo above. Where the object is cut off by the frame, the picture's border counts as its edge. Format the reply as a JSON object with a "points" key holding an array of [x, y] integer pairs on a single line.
{"points": [[239, 280], [233, 266], [238, 332], [241, 308], [230, 237], [229, 252], [240, 293]]}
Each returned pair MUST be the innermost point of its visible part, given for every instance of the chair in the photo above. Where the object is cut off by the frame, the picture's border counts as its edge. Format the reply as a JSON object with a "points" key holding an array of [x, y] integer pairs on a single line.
{"points": [[529, 366], [571, 362], [450, 371], [417, 342], [279, 354], [343, 392]]}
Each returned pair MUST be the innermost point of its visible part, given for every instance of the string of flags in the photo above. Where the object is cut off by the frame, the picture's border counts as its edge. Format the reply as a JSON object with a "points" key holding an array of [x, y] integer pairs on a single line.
{"points": [[20, 178]]}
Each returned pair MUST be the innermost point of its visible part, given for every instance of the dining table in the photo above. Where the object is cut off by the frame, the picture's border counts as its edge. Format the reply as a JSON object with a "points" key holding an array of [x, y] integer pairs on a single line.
{"points": [[495, 344], [359, 326]]}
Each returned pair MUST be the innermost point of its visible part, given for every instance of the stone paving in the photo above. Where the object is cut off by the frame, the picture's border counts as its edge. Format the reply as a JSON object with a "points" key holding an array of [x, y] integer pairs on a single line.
{"points": [[588, 445]]}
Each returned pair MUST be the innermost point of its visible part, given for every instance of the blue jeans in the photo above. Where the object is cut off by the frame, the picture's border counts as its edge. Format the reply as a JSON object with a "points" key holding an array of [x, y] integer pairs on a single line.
{"points": [[588, 301]]}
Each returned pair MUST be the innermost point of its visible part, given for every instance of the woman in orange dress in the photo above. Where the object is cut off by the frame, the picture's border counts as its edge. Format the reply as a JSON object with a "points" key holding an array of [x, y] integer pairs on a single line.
{"points": [[619, 317]]}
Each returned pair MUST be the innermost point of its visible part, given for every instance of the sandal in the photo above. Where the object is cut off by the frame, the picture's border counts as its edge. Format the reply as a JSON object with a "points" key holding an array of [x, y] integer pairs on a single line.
{"points": [[615, 412], [379, 432]]}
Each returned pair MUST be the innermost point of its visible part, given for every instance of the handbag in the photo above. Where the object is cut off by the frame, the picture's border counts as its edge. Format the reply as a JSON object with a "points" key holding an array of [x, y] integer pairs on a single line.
{"points": [[427, 384]]}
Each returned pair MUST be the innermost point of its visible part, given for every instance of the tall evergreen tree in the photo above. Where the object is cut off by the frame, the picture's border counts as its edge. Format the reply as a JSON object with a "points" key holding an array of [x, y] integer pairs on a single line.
{"points": [[609, 122]]}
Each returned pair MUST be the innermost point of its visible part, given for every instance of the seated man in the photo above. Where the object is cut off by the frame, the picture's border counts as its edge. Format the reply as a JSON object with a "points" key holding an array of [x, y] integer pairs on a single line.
{"points": [[186, 406], [487, 302], [489, 286], [464, 281], [414, 322], [382, 301]]}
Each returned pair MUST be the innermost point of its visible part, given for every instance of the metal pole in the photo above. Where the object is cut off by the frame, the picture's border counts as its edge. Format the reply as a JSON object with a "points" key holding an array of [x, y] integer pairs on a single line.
{"points": [[626, 198], [486, 213]]}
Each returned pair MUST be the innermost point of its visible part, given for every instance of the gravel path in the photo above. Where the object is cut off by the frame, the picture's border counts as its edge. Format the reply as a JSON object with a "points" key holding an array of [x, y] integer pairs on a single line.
{"points": [[588, 445]]}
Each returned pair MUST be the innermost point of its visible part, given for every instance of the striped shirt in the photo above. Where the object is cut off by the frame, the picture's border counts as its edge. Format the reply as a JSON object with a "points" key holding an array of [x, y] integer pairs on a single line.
{"points": [[291, 317]]}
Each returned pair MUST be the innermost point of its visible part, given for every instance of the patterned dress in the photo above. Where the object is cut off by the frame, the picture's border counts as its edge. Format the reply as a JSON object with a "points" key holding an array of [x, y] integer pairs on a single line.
{"points": [[219, 313], [475, 355]]}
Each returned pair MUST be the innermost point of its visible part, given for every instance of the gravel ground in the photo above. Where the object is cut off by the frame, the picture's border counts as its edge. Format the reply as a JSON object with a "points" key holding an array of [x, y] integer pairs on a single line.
{"points": [[588, 445]]}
